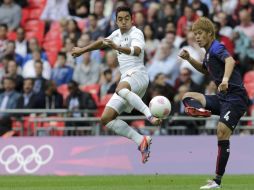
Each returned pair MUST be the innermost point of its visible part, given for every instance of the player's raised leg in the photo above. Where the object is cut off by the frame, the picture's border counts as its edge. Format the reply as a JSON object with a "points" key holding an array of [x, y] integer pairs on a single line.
{"points": [[124, 91], [120, 127], [194, 104]]}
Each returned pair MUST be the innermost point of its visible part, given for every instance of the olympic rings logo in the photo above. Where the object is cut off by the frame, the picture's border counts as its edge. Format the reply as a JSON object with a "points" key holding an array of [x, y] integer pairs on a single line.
{"points": [[27, 157]]}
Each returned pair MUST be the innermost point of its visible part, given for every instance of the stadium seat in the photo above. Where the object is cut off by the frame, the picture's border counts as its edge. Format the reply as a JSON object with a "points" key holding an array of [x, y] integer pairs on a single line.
{"points": [[37, 3], [35, 28], [52, 57], [248, 77], [25, 16], [35, 13], [12, 36], [250, 89], [94, 90], [59, 125], [63, 89], [104, 100]]}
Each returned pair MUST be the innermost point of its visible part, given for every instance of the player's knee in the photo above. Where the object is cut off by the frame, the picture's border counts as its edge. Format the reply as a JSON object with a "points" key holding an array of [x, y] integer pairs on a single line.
{"points": [[123, 92], [105, 120], [223, 132]]}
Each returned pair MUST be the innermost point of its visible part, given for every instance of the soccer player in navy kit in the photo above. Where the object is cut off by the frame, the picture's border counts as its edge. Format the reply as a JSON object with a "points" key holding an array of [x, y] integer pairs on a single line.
{"points": [[230, 103]]}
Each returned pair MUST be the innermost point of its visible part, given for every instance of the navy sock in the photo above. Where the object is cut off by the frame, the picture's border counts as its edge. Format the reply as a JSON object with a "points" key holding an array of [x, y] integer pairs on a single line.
{"points": [[222, 159], [191, 102]]}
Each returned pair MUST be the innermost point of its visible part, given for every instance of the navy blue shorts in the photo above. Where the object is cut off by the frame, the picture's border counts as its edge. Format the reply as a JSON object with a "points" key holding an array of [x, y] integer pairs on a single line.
{"points": [[229, 107]]}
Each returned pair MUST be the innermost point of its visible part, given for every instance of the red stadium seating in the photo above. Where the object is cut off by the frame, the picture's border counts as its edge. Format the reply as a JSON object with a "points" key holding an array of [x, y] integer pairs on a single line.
{"points": [[248, 77], [250, 89], [63, 89], [94, 90], [37, 3], [104, 100], [12, 36], [35, 13]]}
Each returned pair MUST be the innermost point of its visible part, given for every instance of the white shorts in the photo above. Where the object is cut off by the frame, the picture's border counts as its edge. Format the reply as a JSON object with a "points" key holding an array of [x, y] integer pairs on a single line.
{"points": [[139, 82]]}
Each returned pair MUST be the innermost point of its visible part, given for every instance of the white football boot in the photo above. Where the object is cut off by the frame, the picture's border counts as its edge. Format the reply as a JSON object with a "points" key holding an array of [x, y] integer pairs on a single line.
{"points": [[211, 184]]}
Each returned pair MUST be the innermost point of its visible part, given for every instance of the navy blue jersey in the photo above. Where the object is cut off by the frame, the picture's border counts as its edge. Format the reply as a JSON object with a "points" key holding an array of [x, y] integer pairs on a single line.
{"points": [[214, 63]]}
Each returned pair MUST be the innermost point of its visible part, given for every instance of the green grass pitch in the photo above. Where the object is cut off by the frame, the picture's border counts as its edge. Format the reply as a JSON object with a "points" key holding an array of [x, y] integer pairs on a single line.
{"points": [[128, 182]]}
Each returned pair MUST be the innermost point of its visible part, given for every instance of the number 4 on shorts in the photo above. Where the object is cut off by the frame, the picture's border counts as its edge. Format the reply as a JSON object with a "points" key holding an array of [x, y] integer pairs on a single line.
{"points": [[226, 116]]}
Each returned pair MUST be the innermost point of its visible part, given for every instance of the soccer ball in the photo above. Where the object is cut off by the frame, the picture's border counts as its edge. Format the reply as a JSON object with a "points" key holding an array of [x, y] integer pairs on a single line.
{"points": [[160, 107]]}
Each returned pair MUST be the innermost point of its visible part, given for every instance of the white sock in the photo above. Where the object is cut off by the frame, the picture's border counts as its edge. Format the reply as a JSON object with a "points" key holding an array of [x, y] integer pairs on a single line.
{"points": [[122, 128], [135, 101]]}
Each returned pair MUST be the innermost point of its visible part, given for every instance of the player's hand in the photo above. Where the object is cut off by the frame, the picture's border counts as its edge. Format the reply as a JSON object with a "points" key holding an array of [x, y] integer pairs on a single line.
{"points": [[110, 44], [223, 87], [76, 51], [184, 54]]}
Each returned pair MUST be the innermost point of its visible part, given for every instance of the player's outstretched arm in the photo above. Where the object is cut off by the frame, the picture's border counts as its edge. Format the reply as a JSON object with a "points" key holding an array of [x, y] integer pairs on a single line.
{"points": [[77, 51], [135, 51], [196, 64]]}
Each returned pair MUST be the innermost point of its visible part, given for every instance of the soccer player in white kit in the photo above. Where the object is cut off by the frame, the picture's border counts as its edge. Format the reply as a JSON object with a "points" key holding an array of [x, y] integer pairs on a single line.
{"points": [[129, 43]]}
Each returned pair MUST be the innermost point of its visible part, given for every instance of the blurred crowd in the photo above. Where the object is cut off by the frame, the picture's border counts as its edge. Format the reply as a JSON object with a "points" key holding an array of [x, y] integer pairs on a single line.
{"points": [[36, 38]]}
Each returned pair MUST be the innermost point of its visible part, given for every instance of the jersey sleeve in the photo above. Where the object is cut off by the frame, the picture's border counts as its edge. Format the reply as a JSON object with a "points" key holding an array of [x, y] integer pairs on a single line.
{"points": [[112, 36], [137, 39], [221, 52]]}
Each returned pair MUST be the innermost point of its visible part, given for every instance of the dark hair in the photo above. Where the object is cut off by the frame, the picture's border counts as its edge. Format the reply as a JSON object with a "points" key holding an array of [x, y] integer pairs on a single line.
{"points": [[63, 54], [123, 8], [4, 26], [9, 78], [31, 79], [107, 71]]}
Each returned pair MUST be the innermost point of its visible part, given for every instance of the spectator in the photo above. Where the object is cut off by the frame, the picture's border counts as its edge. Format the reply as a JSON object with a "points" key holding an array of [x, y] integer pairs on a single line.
{"points": [[178, 110], [39, 80], [112, 64], [200, 8], [21, 43], [79, 8], [68, 45], [12, 71], [52, 99], [185, 21], [95, 55], [151, 42], [197, 53], [29, 69], [225, 29], [10, 52], [3, 39], [93, 30], [246, 24], [55, 10], [61, 74], [101, 20], [76, 101], [33, 45], [229, 6], [139, 20], [107, 83], [87, 72], [227, 42], [29, 100], [185, 79], [8, 100], [72, 30], [160, 87], [165, 61], [10, 14]]}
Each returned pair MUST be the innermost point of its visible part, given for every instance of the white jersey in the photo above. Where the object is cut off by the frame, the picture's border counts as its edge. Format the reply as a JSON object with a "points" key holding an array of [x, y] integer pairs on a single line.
{"points": [[129, 63]]}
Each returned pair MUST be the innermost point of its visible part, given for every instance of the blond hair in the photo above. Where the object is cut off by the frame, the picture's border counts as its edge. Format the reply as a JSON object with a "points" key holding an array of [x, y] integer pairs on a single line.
{"points": [[204, 24]]}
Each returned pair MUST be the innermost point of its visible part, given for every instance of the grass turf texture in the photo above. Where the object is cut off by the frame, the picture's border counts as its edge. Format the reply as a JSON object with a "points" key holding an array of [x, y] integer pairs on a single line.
{"points": [[130, 182]]}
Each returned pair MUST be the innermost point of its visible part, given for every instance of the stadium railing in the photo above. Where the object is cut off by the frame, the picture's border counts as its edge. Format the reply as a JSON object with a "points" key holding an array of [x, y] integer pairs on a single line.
{"points": [[51, 122]]}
